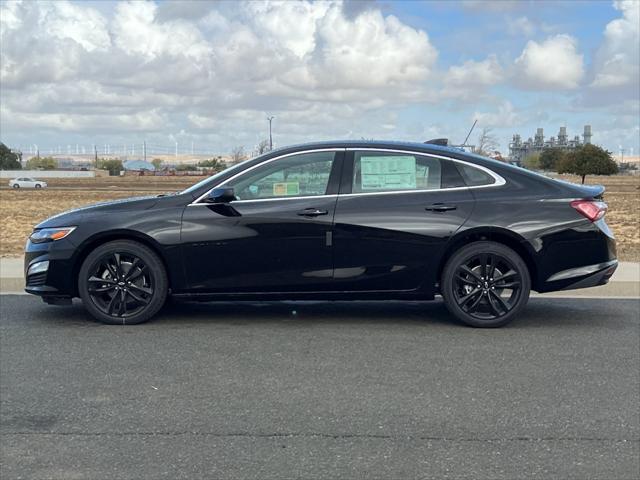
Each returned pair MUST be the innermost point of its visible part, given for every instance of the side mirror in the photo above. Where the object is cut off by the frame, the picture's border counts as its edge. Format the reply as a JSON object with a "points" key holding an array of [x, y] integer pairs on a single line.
{"points": [[221, 195]]}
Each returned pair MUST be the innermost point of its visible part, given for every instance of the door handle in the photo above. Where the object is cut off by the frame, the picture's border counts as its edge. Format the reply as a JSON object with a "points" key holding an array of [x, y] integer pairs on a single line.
{"points": [[440, 207], [312, 212]]}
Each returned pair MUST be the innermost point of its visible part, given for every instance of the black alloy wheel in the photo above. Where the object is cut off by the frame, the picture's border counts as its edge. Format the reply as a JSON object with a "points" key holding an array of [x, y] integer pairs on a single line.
{"points": [[122, 282], [486, 284], [38, 185], [15, 185]]}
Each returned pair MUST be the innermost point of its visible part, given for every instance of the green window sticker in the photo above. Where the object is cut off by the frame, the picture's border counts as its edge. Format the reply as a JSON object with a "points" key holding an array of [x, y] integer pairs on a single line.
{"points": [[388, 172], [284, 189]]}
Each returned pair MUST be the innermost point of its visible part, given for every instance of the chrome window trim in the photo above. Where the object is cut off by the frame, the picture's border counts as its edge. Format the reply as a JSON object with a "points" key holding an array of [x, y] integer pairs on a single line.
{"points": [[499, 180], [253, 200]]}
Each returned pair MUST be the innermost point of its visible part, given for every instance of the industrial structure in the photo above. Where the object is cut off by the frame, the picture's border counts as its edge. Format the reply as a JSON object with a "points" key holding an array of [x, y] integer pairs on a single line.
{"points": [[519, 150]]}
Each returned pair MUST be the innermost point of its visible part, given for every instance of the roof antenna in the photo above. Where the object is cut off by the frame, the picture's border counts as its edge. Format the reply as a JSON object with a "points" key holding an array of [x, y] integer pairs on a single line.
{"points": [[464, 144]]}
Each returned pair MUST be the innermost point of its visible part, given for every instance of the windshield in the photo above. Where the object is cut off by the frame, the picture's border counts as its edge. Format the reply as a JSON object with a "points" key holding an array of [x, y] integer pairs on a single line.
{"points": [[203, 182]]}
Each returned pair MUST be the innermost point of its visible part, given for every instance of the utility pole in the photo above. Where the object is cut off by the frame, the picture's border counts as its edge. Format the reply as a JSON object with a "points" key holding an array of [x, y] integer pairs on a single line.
{"points": [[176, 150], [144, 150], [95, 152], [270, 136]]}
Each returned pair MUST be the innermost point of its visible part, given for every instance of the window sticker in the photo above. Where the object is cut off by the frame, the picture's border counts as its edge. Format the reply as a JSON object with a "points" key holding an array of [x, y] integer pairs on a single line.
{"points": [[284, 189], [388, 173]]}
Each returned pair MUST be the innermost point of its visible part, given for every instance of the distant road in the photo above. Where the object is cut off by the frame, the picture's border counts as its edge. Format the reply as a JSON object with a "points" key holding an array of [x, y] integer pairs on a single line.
{"points": [[321, 390]]}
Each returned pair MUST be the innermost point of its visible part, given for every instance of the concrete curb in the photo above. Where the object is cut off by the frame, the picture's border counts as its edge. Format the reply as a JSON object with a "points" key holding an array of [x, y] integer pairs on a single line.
{"points": [[624, 283]]}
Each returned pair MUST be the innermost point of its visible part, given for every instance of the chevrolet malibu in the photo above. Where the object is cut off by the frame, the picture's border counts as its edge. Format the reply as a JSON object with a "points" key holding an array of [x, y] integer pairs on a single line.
{"points": [[333, 221]]}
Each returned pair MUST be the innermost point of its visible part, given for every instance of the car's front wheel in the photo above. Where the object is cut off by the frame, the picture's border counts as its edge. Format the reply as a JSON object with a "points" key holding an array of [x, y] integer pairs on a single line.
{"points": [[38, 185], [15, 185], [485, 284], [123, 282]]}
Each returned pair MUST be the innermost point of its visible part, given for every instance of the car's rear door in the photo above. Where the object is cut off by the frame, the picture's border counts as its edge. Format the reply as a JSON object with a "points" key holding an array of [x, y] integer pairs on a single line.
{"points": [[276, 237], [395, 212]]}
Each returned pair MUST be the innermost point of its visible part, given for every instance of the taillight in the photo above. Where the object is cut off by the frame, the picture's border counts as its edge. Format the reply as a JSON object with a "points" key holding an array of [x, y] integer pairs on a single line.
{"points": [[591, 209]]}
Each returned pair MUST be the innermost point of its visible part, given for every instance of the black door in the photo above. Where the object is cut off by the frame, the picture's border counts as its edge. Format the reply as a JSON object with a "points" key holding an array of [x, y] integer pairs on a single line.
{"points": [[276, 237], [392, 222]]}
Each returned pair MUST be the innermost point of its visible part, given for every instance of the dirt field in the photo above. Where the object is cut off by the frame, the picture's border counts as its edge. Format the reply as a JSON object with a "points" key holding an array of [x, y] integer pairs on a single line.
{"points": [[23, 209]]}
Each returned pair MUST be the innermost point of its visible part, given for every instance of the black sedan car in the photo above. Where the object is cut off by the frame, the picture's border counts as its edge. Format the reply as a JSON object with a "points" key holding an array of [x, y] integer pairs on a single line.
{"points": [[333, 220]]}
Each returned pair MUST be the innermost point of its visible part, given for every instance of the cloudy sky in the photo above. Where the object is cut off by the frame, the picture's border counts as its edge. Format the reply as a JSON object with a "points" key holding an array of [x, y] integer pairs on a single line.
{"points": [[209, 73]]}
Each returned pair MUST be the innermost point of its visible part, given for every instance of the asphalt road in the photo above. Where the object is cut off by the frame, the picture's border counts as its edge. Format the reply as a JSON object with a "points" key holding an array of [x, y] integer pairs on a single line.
{"points": [[320, 390]]}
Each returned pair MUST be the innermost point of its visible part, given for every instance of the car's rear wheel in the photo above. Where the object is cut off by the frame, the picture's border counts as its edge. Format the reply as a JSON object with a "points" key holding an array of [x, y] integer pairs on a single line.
{"points": [[123, 282], [38, 185], [485, 284]]}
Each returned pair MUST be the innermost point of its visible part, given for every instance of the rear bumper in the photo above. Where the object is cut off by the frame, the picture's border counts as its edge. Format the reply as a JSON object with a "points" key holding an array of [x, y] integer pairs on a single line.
{"points": [[579, 257], [584, 277]]}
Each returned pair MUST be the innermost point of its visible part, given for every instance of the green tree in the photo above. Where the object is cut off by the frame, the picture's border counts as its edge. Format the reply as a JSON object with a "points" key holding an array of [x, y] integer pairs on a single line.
{"points": [[9, 160], [183, 167], [588, 160], [532, 161], [42, 163], [550, 157], [215, 164], [157, 163], [113, 165]]}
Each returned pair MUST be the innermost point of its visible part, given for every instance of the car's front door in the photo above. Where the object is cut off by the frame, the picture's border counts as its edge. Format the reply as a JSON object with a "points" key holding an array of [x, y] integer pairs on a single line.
{"points": [[276, 235], [395, 213]]}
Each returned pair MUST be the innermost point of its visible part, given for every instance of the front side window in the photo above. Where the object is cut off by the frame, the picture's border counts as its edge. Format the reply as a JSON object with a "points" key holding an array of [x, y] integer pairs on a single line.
{"points": [[301, 175], [383, 171]]}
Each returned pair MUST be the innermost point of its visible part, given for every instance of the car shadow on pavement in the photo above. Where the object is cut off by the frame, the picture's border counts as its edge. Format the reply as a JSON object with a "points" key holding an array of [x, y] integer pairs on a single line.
{"points": [[325, 312], [539, 313]]}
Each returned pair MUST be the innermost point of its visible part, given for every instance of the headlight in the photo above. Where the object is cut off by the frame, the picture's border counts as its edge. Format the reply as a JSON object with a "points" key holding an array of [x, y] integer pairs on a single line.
{"points": [[50, 234]]}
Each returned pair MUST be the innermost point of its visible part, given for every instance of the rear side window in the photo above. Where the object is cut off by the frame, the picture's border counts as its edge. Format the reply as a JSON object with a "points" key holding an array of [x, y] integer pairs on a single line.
{"points": [[382, 171], [474, 177]]}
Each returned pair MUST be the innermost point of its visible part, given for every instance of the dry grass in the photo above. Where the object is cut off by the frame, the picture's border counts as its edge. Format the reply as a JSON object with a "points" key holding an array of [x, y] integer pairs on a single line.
{"points": [[25, 208]]}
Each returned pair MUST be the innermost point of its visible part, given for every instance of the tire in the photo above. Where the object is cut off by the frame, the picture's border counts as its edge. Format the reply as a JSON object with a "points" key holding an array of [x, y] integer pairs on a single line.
{"points": [[15, 185], [38, 185], [118, 270], [485, 284]]}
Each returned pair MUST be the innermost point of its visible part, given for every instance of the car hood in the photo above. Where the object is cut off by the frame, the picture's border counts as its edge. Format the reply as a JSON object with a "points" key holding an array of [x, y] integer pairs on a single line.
{"points": [[73, 217]]}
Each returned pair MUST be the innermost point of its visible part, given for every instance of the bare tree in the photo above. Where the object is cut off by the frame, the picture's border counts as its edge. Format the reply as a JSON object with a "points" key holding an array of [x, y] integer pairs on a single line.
{"points": [[237, 155], [487, 142], [262, 147]]}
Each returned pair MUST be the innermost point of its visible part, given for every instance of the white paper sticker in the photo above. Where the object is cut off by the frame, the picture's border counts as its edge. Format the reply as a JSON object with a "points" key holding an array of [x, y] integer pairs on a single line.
{"points": [[388, 173]]}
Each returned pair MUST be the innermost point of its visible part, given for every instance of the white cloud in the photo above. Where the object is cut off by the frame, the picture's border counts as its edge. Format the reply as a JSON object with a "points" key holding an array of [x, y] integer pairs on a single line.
{"points": [[505, 116], [521, 26], [484, 73], [552, 64], [469, 80], [617, 60], [199, 66]]}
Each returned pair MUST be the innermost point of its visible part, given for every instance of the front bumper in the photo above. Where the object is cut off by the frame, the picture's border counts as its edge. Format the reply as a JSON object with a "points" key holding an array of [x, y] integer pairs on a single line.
{"points": [[58, 278]]}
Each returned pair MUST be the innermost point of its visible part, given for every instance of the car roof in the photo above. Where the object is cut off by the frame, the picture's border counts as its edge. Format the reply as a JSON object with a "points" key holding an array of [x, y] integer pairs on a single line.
{"points": [[428, 148], [423, 147]]}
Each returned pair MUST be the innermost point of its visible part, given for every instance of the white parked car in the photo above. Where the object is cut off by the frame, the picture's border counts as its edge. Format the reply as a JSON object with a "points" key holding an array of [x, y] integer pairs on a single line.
{"points": [[27, 182]]}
